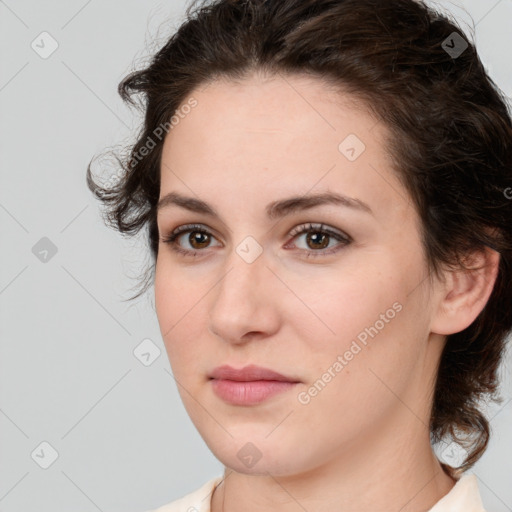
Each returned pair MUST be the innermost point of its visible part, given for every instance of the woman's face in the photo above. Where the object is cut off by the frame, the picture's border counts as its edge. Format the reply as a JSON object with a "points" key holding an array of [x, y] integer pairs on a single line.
{"points": [[347, 321]]}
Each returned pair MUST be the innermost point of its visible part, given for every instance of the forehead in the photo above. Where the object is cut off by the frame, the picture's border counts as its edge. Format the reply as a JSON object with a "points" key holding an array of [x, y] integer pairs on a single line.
{"points": [[294, 104], [279, 134]]}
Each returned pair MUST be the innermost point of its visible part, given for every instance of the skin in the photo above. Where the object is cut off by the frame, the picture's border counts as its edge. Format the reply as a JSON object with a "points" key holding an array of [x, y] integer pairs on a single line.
{"points": [[362, 443]]}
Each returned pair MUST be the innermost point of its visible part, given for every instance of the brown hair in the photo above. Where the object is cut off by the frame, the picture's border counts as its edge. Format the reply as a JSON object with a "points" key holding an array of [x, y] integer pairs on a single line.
{"points": [[451, 142]]}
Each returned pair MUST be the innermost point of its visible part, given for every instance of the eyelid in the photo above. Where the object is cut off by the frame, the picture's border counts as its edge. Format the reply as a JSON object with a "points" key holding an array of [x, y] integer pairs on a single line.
{"points": [[301, 229], [315, 226], [170, 239]]}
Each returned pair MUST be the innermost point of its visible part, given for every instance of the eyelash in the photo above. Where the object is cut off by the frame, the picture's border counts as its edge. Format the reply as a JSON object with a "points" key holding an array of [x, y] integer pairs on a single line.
{"points": [[305, 228]]}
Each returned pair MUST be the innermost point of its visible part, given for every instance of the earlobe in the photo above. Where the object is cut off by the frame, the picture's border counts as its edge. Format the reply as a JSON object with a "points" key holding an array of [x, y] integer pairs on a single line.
{"points": [[464, 293]]}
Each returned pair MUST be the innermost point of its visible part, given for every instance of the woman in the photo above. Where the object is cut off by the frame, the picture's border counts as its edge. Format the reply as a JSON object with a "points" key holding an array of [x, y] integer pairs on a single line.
{"points": [[324, 184]]}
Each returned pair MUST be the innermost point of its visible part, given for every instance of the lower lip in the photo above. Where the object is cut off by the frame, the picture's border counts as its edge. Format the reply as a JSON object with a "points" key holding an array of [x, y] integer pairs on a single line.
{"points": [[249, 393]]}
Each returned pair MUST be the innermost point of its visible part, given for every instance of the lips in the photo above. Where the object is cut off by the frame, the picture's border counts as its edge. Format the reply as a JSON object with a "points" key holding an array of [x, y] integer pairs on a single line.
{"points": [[249, 386], [248, 374]]}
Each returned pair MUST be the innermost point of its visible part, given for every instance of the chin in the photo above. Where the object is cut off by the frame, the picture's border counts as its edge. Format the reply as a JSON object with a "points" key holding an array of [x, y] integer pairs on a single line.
{"points": [[260, 455]]}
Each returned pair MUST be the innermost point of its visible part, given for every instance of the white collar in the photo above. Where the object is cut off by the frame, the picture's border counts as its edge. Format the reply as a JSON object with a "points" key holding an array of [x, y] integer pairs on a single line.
{"points": [[463, 497]]}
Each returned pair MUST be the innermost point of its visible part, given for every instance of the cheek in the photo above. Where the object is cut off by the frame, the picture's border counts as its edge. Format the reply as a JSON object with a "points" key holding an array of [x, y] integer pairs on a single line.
{"points": [[175, 294], [360, 319], [180, 305], [339, 306], [353, 381], [366, 344]]}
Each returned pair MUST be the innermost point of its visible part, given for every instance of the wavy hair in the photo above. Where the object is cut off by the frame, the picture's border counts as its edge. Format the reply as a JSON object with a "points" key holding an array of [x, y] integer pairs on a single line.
{"points": [[451, 145]]}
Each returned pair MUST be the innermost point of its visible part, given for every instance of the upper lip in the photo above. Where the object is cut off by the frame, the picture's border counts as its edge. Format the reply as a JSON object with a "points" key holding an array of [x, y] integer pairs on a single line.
{"points": [[248, 373]]}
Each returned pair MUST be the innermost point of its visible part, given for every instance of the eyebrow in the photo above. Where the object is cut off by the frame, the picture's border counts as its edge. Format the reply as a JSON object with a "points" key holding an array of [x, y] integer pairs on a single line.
{"points": [[274, 210]]}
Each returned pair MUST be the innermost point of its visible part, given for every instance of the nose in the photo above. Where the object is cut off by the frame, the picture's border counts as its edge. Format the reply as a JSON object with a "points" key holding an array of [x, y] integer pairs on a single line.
{"points": [[244, 304]]}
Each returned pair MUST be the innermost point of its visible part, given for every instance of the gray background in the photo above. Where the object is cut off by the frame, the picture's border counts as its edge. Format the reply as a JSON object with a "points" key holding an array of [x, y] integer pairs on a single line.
{"points": [[68, 373]]}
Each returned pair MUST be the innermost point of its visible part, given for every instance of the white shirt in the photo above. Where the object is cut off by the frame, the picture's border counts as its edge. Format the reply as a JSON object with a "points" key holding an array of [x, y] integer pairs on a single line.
{"points": [[463, 497]]}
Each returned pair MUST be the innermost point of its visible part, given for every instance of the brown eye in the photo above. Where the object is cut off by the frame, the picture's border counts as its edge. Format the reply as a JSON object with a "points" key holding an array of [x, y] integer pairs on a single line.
{"points": [[198, 239], [318, 237]]}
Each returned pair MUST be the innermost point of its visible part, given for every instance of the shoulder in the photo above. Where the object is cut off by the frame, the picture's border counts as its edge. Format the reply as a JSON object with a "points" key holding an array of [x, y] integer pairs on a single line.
{"points": [[196, 501]]}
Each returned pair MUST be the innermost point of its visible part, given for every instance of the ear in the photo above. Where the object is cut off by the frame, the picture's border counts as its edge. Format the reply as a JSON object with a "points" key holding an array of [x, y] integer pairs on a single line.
{"points": [[464, 293]]}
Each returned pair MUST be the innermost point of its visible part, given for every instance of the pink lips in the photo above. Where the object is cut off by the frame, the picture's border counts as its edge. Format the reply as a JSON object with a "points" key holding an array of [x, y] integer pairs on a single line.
{"points": [[249, 385]]}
